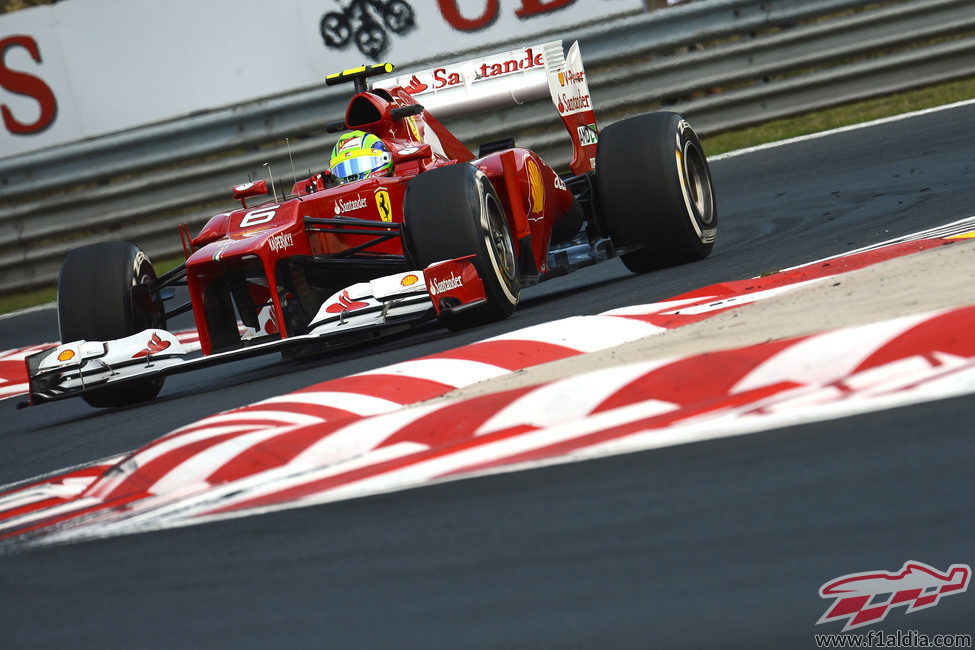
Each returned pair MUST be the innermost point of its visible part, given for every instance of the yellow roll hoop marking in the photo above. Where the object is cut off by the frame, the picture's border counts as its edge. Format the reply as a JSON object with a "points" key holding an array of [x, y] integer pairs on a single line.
{"points": [[384, 67]]}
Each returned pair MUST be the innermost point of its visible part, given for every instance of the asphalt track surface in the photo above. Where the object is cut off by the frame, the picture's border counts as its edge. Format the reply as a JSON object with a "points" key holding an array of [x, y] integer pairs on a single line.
{"points": [[722, 544]]}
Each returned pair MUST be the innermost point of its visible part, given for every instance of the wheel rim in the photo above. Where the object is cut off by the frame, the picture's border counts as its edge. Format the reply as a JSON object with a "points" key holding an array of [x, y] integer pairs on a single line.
{"points": [[698, 184], [504, 252], [149, 314]]}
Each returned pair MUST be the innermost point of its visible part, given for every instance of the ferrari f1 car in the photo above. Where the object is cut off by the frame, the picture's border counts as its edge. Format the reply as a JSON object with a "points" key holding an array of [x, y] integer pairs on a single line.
{"points": [[405, 226]]}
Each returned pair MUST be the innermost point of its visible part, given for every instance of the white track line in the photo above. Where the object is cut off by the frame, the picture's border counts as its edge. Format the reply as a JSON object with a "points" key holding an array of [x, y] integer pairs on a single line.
{"points": [[840, 129], [28, 310], [954, 228]]}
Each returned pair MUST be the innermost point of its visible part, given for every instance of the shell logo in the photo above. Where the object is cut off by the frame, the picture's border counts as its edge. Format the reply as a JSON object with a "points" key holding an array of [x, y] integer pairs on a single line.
{"points": [[537, 190], [66, 355], [409, 280]]}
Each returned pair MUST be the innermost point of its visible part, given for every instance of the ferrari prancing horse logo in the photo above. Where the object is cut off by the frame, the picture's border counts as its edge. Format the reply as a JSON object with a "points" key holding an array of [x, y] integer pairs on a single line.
{"points": [[384, 206]]}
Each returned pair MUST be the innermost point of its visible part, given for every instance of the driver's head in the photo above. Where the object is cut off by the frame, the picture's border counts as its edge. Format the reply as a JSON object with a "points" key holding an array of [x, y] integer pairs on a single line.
{"points": [[359, 155]]}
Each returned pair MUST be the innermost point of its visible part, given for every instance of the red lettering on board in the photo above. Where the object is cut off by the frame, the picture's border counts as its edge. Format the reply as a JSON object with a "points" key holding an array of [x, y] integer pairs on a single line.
{"points": [[531, 8], [25, 84], [528, 9], [450, 12], [511, 65], [441, 78]]}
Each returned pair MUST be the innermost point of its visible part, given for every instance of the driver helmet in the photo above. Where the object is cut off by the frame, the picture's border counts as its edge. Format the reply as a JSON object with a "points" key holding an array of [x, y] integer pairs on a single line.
{"points": [[358, 155]]}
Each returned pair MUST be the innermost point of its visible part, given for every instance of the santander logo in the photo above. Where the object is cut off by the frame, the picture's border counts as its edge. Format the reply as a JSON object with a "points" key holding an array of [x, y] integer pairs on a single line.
{"points": [[439, 286], [415, 86], [484, 69], [349, 206]]}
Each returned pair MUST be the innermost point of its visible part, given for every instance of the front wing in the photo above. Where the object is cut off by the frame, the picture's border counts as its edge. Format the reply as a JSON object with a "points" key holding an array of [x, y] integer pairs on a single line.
{"points": [[366, 310]]}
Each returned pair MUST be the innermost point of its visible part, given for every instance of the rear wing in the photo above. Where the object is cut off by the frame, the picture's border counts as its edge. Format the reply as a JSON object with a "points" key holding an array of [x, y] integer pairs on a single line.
{"points": [[511, 78]]}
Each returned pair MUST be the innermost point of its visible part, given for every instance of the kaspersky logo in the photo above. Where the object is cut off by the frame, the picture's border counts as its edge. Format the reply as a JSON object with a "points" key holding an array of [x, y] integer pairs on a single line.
{"points": [[866, 598]]}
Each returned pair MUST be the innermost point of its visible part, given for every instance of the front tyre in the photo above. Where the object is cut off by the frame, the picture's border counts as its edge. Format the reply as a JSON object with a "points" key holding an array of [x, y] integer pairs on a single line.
{"points": [[654, 191], [453, 212], [104, 294]]}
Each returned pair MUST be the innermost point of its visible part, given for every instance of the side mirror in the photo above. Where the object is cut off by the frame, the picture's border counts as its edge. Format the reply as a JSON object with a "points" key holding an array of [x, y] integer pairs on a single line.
{"points": [[406, 111], [245, 190]]}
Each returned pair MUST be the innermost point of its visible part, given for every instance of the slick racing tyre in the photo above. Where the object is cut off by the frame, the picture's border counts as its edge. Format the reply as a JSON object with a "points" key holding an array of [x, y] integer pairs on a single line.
{"points": [[453, 212], [103, 294], [654, 193]]}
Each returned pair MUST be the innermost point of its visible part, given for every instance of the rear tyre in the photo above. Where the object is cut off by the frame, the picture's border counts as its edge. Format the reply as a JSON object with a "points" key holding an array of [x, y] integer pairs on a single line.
{"points": [[453, 212], [104, 294], [654, 192]]}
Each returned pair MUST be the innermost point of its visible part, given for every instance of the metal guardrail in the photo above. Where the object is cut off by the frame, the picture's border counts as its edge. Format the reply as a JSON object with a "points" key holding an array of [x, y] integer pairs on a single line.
{"points": [[769, 58]]}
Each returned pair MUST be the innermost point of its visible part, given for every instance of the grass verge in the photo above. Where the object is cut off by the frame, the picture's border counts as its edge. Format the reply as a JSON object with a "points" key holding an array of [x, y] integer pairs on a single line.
{"points": [[831, 118], [27, 299]]}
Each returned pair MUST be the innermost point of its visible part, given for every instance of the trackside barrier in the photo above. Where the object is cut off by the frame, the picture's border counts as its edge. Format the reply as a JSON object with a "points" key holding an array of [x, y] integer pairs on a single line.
{"points": [[723, 63]]}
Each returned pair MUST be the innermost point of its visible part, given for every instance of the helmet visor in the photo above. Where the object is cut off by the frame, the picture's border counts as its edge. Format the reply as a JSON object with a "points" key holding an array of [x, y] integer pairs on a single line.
{"points": [[360, 166]]}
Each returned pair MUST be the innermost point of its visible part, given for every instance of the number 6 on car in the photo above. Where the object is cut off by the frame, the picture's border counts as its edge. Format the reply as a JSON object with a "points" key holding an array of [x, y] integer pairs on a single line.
{"points": [[257, 217]]}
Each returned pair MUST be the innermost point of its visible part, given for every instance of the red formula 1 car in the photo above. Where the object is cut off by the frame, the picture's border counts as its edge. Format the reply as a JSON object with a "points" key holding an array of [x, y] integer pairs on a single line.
{"points": [[406, 225]]}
